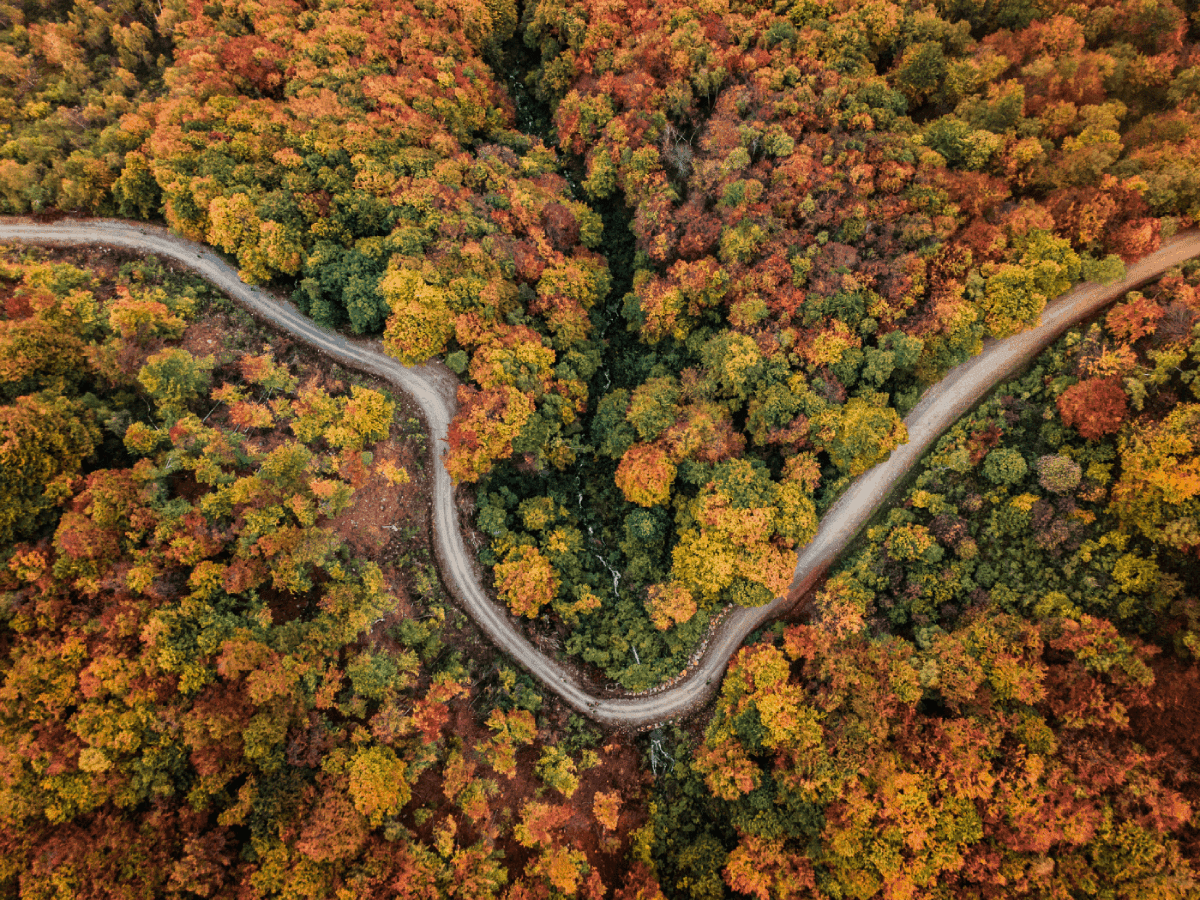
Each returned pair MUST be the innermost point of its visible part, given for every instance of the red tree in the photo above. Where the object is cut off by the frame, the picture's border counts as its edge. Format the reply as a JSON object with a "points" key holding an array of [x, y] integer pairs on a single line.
{"points": [[1094, 407]]}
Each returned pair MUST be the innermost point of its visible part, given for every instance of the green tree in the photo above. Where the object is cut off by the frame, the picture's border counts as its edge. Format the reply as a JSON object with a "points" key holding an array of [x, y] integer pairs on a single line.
{"points": [[859, 434], [173, 378], [44, 440]]}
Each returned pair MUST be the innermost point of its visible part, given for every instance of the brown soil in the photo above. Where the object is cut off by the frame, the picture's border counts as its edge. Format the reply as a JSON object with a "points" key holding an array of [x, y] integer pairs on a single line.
{"points": [[618, 770]]}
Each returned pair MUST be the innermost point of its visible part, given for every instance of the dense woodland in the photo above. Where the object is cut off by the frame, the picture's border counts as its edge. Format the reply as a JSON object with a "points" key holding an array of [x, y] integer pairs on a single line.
{"points": [[693, 263], [225, 671], [997, 693]]}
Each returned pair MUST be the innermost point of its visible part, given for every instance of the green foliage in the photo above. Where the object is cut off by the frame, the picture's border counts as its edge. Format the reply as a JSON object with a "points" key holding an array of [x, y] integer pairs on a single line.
{"points": [[611, 431], [1098, 525], [173, 379], [1005, 466], [652, 407], [859, 435]]}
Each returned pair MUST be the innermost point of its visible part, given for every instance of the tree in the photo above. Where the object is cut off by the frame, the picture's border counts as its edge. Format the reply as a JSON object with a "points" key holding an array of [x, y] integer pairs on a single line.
{"points": [[1158, 492], [1013, 294], [526, 581], [174, 378], [921, 71], [1058, 474], [766, 870], [512, 729], [1133, 318], [139, 319], [669, 604], [645, 475], [1094, 407], [34, 352], [484, 429], [420, 323], [363, 418], [606, 807], [377, 784], [1005, 465], [860, 434], [653, 407], [857, 790], [734, 545], [44, 440], [611, 432]]}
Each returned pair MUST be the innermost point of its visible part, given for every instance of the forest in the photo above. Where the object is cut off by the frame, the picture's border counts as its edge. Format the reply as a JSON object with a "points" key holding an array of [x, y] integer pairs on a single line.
{"points": [[693, 263]]}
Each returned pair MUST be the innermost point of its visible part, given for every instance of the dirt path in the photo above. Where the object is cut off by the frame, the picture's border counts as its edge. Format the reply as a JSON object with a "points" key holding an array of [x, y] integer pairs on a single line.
{"points": [[433, 386]]}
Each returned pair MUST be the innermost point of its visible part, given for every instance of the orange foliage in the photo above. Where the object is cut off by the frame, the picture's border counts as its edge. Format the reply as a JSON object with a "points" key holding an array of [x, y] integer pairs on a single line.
{"points": [[541, 822], [670, 604], [526, 581], [1135, 318], [765, 869], [645, 475], [705, 432], [484, 429], [606, 807], [1094, 407]]}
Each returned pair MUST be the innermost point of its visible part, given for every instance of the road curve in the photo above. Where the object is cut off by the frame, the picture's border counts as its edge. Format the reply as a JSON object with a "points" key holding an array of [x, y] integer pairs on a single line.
{"points": [[433, 386]]}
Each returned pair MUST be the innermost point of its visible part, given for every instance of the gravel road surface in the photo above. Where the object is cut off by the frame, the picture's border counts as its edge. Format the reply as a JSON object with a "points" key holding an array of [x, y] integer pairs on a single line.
{"points": [[433, 387]]}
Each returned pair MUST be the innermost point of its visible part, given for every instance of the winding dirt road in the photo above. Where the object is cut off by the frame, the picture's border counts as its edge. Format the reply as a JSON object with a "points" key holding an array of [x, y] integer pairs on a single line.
{"points": [[433, 387]]}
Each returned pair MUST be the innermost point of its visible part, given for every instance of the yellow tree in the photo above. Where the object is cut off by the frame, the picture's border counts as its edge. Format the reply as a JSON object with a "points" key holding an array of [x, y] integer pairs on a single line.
{"points": [[860, 434], [1158, 492], [377, 783], [421, 322], [44, 439], [526, 581], [736, 537]]}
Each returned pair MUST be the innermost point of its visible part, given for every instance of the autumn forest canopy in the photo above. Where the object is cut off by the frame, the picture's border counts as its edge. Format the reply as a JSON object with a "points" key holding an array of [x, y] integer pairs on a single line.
{"points": [[693, 263]]}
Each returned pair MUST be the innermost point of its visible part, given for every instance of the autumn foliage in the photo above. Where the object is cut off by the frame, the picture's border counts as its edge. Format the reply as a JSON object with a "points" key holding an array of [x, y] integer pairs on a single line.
{"points": [[1026, 766], [807, 214], [1095, 406], [213, 679], [693, 263]]}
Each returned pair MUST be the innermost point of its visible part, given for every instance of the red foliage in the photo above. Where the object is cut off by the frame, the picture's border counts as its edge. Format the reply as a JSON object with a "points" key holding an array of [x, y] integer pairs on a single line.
{"points": [[1133, 319], [1094, 407], [561, 226], [1136, 238], [982, 441]]}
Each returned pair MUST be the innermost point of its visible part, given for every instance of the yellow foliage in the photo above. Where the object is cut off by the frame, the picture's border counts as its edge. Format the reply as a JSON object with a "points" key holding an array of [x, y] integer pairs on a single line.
{"points": [[421, 322], [363, 418], [732, 552], [377, 783], [526, 581], [393, 473], [1158, 492], [606, 807]]}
